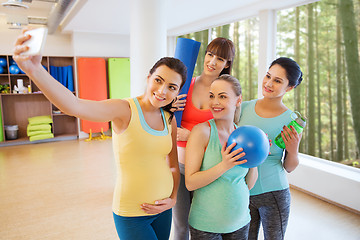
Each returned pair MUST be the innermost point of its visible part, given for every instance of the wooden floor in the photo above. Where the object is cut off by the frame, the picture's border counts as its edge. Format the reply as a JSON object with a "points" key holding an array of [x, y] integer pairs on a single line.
{"points": [[63, 190]]}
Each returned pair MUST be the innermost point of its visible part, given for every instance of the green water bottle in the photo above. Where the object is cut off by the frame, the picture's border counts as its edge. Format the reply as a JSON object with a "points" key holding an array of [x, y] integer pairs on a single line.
{"points": [[298, 123]]}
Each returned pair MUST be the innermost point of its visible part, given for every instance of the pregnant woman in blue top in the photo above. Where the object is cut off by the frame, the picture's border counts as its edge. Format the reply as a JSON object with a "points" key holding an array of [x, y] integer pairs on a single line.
{"points": [[270, 197], [220, 205]]}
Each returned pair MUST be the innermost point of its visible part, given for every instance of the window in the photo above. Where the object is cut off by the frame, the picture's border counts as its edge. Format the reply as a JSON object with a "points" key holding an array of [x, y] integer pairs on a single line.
{"points": [[244, 34], [308, 34]]}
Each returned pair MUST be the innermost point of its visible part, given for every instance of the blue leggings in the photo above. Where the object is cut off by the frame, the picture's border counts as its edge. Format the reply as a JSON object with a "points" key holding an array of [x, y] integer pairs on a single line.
{"points": [[154, 227]]}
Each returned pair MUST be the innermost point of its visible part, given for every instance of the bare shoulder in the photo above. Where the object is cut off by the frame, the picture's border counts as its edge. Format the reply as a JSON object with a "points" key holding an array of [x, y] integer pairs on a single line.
{"points": [[119, 107], [122, 114], [201, 131], [201, 127]]}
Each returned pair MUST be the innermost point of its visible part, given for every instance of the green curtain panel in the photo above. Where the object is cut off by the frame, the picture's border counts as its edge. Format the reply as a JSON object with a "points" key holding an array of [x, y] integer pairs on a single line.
{"points": [[1, 126]]}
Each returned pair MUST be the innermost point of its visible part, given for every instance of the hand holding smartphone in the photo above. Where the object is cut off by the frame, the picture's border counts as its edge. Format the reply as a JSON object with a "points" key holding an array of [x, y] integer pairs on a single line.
{"points": [[36, 42]]}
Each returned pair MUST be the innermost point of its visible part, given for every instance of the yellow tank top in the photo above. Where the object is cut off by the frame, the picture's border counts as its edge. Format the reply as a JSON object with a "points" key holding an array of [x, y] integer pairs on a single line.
{"points": [[143, 174]]}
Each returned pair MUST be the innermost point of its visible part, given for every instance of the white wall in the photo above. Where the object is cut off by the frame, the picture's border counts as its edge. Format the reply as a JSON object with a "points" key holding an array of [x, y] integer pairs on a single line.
{"points": [[7, 40], [335, 182], [56, 45], [101, 45], [77, 44]]}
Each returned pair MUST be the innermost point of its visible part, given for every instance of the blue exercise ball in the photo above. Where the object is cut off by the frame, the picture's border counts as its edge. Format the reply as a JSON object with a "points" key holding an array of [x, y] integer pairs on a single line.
{"points": [[14, 69], [254, 142], [1, 70], [3, 62]]}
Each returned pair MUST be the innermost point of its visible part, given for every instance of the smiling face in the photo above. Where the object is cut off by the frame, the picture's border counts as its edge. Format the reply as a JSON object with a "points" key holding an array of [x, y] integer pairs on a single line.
{"points": [[213, 64], [223, 100], [275, 83], [163, 86]]}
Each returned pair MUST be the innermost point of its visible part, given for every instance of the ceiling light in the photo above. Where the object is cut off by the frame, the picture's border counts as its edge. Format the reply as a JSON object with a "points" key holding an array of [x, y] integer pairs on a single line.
{"points": [[37, 20], [15, 26], [16, 21], [15, 4]]}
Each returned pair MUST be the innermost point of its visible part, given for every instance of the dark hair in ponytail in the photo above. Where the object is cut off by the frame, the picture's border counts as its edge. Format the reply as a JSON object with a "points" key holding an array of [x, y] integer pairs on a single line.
{"points": [[293, 71]]}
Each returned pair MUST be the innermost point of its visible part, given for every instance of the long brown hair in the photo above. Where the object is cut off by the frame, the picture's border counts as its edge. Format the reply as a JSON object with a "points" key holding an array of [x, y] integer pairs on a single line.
{"points": [[224, 48]]}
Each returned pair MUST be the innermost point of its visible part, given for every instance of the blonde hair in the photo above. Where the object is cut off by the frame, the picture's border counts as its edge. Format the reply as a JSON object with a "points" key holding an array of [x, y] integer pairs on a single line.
{"points": [[236, 86]]}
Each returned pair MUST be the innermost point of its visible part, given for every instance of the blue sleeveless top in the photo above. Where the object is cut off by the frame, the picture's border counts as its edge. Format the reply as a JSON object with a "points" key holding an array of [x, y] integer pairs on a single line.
{"points": [[223, 205], [272, 175]]}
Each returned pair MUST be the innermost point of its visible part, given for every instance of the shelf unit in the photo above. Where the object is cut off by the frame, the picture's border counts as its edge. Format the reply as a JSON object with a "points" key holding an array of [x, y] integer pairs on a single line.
{"points": [[17, 108]]}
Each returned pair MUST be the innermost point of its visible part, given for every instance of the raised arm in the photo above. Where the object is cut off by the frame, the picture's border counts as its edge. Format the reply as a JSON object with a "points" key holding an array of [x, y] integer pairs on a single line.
{"points": [[60, 96]]}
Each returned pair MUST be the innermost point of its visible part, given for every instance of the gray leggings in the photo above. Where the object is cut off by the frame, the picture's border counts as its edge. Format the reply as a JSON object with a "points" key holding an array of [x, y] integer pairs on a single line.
{"points": [[181, 209], [272, 210], [240, 234]]}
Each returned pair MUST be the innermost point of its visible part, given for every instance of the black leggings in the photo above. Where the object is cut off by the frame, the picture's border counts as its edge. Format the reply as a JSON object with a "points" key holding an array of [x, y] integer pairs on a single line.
{"points": [[182, 208], [240, 234], [272, 210]]}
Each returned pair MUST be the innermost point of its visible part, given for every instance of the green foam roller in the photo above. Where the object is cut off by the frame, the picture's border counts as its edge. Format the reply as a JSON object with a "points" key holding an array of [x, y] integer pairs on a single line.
{"points": [[119, 77]]}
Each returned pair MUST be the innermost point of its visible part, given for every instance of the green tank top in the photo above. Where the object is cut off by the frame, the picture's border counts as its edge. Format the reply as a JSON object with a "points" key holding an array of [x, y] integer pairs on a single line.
{"points": [[223, 205]]}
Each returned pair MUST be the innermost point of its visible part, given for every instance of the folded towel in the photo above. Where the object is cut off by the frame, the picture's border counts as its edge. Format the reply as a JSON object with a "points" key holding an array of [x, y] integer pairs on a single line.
{"points": [[35, 133], [40, 119], [41, 137], [40, 127]]}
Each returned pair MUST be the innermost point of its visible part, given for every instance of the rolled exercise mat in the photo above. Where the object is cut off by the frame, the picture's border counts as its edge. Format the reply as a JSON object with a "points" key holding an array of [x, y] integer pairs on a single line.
{"points": [[92, 86], [119, 77], [70, 78], [60, 74], [187, 51], [54, 73]]}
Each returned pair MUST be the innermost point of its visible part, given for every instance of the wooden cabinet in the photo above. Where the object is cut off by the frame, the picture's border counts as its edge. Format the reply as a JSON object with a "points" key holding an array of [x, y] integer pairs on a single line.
{"points": [[16, 108]]}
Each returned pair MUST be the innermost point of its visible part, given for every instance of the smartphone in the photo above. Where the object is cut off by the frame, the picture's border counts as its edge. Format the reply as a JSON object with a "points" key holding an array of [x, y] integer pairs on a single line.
{"points": [[36, 42]]}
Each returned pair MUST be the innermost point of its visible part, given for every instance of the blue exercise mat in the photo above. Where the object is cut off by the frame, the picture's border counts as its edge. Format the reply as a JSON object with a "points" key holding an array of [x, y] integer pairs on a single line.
{"points": [[60, 75], [70, 78], [53, 72], [187, 51]]}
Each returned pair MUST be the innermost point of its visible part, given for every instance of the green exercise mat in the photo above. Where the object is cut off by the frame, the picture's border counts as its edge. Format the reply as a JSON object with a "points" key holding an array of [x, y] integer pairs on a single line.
{"points": [[119, 77], [1, 126]]}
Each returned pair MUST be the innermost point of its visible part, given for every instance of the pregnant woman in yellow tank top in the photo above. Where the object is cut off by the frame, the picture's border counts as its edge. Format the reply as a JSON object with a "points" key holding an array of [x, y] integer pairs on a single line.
{"points": [[144, 142]]}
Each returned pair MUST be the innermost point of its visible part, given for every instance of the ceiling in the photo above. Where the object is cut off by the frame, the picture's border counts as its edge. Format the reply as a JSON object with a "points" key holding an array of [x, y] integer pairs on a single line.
{"points": [[113, 16]]}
